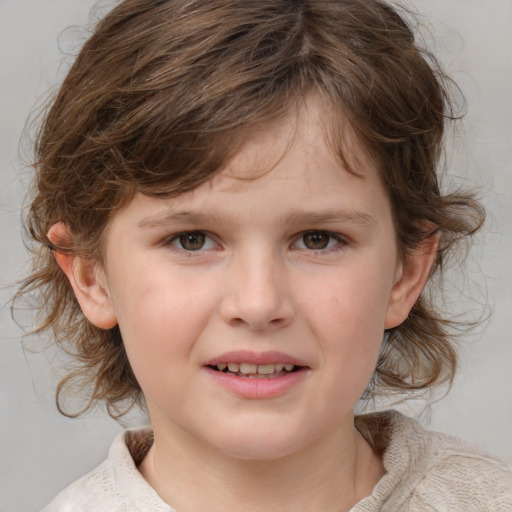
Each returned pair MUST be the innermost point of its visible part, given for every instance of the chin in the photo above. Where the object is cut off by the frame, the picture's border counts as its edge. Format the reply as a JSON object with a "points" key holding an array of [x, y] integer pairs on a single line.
{"points": [[260, 445]]}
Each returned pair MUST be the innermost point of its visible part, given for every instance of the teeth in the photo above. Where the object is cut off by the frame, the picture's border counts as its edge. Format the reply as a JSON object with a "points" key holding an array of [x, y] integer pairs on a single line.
{"points": [[266, 369], [251, 369], [234, 367], [248, 368]]}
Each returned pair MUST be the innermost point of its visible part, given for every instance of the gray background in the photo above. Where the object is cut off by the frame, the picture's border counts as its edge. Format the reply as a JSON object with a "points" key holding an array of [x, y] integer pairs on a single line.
{"points": [[41, 451]]}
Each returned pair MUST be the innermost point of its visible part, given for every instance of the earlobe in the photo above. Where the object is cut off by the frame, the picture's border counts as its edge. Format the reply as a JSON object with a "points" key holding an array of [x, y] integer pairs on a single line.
{"points": [[86, 277], [413, 276]]}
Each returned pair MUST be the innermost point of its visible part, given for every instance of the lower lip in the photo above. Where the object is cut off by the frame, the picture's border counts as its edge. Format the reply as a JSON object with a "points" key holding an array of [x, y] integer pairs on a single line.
{"points": [[257, 387]]}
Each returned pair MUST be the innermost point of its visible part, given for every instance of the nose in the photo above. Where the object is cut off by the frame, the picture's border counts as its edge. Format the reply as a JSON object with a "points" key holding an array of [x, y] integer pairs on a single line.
{"points": [[257, 295]]}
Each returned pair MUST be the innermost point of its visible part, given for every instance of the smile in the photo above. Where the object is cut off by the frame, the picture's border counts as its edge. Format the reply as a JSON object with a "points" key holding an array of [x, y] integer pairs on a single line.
{"points": [[255, 371], [253, 375], [257, 375]]}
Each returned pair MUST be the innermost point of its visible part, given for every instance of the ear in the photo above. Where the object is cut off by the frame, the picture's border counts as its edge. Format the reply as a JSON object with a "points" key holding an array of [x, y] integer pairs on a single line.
{"points": [[87, 278], [412, 277]]}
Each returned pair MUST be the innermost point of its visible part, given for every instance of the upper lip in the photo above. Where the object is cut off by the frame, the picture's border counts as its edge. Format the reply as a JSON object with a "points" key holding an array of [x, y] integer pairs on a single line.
{"points": [[247, 356]]}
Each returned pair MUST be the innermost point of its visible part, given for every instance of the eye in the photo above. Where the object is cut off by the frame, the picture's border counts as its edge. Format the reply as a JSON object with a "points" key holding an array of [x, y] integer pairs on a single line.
{"points": [[192, 241], [318, 241]]}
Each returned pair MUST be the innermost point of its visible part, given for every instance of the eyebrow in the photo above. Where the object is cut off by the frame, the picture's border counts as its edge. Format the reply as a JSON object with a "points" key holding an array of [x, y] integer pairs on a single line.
{"points": [[194, 218], [331, 216], [185, 217]]}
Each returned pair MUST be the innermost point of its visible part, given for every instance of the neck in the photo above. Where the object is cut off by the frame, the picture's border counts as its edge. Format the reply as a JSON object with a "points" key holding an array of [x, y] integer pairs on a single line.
{"points": [[331, 475]]}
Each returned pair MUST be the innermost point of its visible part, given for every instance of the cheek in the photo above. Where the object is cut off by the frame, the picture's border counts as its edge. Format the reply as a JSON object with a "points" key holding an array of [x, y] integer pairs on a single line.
{"points": [[347, 315], [348, 304], [160, 317]]}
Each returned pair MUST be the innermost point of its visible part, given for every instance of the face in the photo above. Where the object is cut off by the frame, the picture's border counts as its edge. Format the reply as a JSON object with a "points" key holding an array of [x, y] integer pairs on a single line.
{"points": [[253, 310]]}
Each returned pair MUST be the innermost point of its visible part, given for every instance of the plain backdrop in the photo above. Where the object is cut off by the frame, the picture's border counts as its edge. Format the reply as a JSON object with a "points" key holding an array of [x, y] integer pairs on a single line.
{"points": [[41, 451]]}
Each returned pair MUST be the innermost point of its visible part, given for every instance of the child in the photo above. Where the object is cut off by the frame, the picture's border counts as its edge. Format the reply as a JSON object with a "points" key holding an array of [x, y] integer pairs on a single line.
{"points": [[238, 211]]}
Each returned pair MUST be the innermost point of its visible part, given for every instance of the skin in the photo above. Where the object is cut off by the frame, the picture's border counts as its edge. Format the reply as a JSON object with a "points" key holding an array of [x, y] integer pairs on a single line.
{"points": [[257, 284]]}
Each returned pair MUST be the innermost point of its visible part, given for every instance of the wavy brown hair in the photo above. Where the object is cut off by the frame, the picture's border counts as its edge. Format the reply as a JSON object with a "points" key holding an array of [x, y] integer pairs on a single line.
{"points": [[156, 102]]}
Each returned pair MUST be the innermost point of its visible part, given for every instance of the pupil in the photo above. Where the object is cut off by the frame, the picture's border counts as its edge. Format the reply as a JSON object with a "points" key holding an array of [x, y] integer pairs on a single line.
{"points": [[316, 240], [192, 241]]}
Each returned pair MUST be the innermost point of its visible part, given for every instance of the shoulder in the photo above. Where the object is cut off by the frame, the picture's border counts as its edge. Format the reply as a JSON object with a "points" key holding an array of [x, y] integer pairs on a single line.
{"points": [[460, 476], [115, 485], [95, 491], [431, 471], [466, 481]]}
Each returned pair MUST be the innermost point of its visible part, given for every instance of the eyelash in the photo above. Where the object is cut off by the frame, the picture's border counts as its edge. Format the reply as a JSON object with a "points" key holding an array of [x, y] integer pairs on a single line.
{"points": [[177, 236], [341, 242]]}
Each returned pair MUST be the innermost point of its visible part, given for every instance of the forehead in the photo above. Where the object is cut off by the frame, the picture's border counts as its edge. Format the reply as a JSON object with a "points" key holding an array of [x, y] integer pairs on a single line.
{"points": [[285, 170], [308, 133]]}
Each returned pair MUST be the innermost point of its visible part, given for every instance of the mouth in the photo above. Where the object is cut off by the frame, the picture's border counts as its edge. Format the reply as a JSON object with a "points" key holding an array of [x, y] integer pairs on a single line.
{"points": [[257, 375], [256, 371]]}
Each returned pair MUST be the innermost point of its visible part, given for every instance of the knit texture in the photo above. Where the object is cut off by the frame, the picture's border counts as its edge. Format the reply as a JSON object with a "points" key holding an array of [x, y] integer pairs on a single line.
{"points": [[425, 471]]}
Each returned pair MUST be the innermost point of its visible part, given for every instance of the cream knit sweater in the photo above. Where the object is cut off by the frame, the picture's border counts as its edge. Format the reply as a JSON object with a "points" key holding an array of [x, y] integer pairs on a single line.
{"points": [[425, 471]]}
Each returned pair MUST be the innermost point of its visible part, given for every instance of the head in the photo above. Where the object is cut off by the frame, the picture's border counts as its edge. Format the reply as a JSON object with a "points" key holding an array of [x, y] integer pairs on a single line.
{"points": [[165, 95]]}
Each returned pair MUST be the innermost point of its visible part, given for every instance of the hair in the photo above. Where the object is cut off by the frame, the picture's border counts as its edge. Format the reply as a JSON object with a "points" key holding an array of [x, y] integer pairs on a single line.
{"points": [[155, 103]]}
